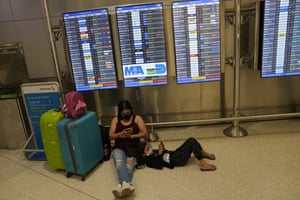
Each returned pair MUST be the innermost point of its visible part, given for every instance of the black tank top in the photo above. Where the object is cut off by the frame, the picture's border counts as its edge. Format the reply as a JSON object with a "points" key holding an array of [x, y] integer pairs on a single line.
{"points": [[125, 143]]}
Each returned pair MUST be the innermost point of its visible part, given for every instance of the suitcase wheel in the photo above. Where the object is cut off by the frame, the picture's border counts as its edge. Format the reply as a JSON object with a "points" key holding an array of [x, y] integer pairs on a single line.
{"points": [[69, 174], [83, 178]]}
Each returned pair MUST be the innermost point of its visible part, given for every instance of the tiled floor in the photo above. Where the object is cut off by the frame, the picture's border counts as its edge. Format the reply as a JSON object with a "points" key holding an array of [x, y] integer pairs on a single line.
{"points": [[265, 165]]}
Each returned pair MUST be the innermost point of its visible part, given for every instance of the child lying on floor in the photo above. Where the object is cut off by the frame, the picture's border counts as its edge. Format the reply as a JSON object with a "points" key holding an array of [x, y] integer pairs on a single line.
{"points": [[159, 158]]}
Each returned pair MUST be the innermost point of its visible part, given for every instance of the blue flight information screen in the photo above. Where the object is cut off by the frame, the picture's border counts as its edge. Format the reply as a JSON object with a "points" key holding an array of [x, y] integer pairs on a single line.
{"points": [[89, 42], [196, 29], [281, 38], [142, 43]]}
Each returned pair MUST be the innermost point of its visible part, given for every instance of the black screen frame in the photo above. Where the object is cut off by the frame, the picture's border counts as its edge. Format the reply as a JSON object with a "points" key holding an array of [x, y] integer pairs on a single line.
{"points": [[91, 87], [261, 50], [144, 81], [190, 79]]}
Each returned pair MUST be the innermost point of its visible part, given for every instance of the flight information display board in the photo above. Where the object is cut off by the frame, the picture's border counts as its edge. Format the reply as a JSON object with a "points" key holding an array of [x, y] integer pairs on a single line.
{"points": [[281, 38], [89, 41], [196, 27], [142, 43]]}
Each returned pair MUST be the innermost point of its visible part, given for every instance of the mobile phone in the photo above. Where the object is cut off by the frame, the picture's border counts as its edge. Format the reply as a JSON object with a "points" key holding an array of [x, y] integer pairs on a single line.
{"points": [[130, 129]]}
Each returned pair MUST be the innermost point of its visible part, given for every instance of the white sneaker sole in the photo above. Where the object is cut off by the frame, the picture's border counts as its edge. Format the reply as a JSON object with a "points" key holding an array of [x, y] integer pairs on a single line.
{"points": [[126, 192], [116, 193]]}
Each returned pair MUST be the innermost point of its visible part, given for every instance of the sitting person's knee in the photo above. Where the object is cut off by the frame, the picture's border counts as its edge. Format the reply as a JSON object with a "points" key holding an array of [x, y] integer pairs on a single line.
{"points": [[119, 160], [131, 161], [192, 140]]}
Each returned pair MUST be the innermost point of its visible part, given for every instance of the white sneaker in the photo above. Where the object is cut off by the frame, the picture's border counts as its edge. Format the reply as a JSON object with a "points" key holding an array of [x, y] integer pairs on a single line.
{"points": [[118, 191], [127, 189]]}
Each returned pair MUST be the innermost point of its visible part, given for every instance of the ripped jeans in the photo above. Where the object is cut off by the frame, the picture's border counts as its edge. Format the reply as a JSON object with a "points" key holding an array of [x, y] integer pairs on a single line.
{"points": [[124, 165]]}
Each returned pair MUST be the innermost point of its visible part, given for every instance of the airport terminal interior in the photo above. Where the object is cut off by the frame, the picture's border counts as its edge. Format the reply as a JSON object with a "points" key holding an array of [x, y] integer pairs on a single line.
{"points": [[226, 72]]}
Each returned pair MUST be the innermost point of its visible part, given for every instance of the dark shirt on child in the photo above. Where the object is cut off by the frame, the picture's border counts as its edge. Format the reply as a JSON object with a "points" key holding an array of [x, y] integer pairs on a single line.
{"points": [[154, 160]]}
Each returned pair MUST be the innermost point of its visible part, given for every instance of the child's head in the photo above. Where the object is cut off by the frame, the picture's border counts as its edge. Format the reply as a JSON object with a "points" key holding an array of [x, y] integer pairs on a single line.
{"points": [[161, 145]]}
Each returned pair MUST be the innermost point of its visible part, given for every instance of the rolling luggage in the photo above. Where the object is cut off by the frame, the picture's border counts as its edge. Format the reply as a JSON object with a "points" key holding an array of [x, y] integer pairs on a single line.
{"points": [[81, 144], [48, 123]]}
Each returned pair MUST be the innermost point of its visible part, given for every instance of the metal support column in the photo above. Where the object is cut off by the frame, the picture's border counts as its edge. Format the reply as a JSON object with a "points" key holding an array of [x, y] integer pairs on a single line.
{"points": [[152, 135], [53, 46], [235, 130]]}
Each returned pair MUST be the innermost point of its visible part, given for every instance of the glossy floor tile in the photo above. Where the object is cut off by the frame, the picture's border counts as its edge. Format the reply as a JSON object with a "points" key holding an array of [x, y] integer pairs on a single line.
{"points": [[264, 165]]}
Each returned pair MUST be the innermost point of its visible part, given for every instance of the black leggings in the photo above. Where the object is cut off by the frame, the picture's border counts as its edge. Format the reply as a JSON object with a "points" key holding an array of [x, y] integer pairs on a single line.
{"points": [[183, 153]]}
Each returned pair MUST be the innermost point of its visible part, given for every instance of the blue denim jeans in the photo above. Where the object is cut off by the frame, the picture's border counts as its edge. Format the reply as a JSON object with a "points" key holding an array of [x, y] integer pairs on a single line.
{"points": [[124, 169]]}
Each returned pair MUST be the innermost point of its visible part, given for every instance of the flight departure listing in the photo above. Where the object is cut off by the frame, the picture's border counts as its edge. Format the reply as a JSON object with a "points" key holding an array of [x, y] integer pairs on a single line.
{"points": [[142, 44], [281, 38], [196, 26], [90, 47]]}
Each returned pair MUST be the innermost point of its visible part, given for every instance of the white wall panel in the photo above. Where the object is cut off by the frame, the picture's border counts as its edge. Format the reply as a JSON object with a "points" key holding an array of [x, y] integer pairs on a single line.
{"points": [[29, 9], [37, 48], [56, 7], [5, 11], [8, 32]]}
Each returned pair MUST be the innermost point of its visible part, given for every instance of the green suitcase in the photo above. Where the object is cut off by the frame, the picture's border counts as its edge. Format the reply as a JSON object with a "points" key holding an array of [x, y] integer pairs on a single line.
{"points": [[48, 123]]}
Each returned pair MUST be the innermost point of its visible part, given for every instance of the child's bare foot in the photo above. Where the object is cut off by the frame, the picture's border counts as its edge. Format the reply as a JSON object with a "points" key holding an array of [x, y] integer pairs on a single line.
{"points": [[208, 155], [208, 168], [204, 166]]}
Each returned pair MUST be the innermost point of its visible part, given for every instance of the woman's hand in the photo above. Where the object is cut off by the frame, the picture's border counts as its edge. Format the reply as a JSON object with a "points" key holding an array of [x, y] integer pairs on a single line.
{"points": [[126, 133]]}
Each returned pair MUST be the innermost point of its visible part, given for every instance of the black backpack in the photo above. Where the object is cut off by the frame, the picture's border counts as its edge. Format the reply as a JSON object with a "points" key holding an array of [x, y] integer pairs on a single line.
{"points": [[104, 130]]}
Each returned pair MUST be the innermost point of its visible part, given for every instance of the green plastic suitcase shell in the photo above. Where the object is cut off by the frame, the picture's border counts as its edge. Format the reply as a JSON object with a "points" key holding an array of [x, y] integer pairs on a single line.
{"points": [[50, 138]]}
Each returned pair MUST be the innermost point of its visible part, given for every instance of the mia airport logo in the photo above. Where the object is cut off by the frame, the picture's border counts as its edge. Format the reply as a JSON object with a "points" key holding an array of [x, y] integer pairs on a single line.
{"points": [[144, 70]]}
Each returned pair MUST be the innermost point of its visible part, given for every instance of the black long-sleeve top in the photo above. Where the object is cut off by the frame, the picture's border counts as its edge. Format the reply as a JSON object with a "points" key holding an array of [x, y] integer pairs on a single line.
{"points": [[157, 161]]}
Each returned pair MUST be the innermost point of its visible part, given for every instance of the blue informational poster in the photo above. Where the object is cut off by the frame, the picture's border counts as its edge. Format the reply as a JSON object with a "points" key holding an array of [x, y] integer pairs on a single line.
{"points": [[39, 98]]}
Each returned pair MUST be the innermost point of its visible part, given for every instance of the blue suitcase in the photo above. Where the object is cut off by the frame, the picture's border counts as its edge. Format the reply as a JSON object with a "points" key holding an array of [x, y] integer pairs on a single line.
{"points": [[81, 144]]}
